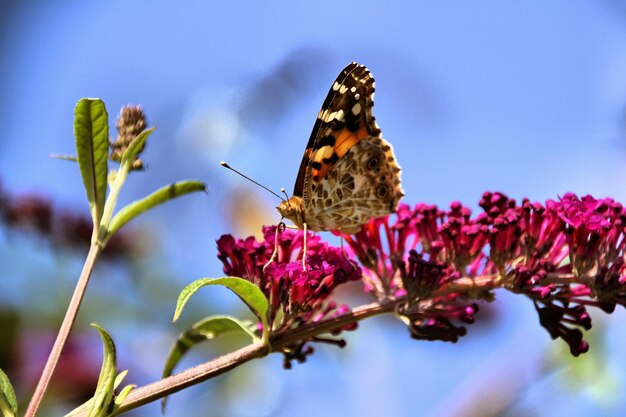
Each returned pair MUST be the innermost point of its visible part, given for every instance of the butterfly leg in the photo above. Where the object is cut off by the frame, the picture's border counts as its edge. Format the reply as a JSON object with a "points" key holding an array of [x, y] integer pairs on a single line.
{"points": [[343, 250], [304, 249], [275, 249], [345, 254]]}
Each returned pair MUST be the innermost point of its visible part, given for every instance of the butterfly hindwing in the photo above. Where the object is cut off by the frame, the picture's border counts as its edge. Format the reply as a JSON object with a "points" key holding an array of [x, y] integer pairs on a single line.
{"points": [[364, 184]]}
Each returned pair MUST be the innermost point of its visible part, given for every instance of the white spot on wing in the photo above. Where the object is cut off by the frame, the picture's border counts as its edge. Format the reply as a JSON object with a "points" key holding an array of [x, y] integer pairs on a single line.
{"points": [[338, 115], [356, 109]]}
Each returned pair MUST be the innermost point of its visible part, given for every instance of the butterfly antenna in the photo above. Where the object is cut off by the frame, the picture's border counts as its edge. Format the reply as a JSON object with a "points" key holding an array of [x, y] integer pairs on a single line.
{"points": [[282, 190], [225, 165]]}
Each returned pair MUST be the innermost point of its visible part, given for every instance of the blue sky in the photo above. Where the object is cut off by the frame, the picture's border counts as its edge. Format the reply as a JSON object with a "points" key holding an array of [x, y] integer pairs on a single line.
{"points": [[526, 98]]}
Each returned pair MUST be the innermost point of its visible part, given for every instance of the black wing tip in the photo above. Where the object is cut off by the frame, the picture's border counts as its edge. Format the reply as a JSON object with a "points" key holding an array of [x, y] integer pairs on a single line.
{"points": [[354, 65], [355, 69]]}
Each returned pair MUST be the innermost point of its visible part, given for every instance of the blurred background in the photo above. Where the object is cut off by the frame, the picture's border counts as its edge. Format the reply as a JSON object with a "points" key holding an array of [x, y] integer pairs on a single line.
{"points": [[527, 99]]}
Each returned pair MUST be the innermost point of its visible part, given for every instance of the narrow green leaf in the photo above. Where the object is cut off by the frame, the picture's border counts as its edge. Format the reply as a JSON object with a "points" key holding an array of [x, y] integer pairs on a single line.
{"points": [[120, 378], [205, 329], [8, 402], [160, 196], [91, 131], [131, 151], [247, 291], [119, 399], [106, 382]]}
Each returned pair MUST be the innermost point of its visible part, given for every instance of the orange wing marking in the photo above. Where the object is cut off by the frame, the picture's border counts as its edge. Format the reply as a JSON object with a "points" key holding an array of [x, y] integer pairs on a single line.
{"points": [[325, 157]]}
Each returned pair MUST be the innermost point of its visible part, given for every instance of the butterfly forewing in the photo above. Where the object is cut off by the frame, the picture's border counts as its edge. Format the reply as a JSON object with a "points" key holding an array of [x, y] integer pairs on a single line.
{"points": [[348, 173], [344, 119]]}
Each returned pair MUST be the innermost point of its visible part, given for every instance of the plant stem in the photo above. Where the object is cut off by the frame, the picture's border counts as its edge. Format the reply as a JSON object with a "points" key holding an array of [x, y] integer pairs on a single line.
{"points": [[64, 331], [115, 187], [191, 376], [222, 364]]}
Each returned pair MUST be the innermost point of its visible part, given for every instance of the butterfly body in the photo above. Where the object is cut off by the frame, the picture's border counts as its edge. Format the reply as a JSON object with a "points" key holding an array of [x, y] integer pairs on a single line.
{"points": [[348, 174]]}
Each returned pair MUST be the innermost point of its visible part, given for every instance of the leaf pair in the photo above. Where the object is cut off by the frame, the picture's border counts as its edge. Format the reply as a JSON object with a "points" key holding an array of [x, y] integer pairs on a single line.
{"points": [[214, 326]]}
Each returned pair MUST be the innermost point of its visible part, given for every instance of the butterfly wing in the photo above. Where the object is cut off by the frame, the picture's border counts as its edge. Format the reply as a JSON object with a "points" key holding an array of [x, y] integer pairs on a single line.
{"points": [[348, 174], [365, 183], [344, 119]]}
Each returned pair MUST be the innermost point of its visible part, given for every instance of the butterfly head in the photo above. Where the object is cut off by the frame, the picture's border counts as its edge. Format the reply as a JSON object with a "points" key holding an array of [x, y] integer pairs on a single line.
{"points": [[293, 209]]}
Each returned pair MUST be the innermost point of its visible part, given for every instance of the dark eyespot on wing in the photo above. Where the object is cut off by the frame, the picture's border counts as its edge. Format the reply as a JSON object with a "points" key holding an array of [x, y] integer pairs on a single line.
{"points": [[373, 163]]}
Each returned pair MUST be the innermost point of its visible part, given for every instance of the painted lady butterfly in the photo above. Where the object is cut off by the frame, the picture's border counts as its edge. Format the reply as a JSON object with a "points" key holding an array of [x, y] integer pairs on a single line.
{"points": [[348, 174]]}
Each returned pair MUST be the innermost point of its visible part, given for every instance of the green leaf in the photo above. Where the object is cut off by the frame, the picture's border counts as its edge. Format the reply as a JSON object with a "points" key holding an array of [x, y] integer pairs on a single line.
{"points": [[131, 151], [106, 382], [120, 378], [119, 399], [8, 402], [205, 329], [160, 196], [91, 131], [247, 291]]}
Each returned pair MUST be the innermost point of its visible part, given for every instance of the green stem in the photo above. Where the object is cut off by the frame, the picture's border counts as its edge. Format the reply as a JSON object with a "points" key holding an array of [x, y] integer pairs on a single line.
{"points": [[115, 187], [64, 332]]}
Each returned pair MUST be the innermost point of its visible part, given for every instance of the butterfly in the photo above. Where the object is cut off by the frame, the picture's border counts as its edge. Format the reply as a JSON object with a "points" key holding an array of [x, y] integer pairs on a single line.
{"points": [[348, 173]]}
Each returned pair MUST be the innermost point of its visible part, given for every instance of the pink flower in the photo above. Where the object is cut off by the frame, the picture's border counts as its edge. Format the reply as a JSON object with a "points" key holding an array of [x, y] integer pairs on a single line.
{"points": [[300, 293]]}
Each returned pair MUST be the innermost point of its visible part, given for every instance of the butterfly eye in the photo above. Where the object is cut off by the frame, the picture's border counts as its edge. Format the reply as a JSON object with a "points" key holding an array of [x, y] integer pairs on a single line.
{"points": [[381, 191], [372, 163]]}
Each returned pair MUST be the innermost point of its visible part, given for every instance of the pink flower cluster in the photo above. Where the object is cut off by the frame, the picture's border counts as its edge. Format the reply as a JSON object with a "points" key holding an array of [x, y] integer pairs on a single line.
{"points": [[565, 256], [435, 265], [300, 294]]}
